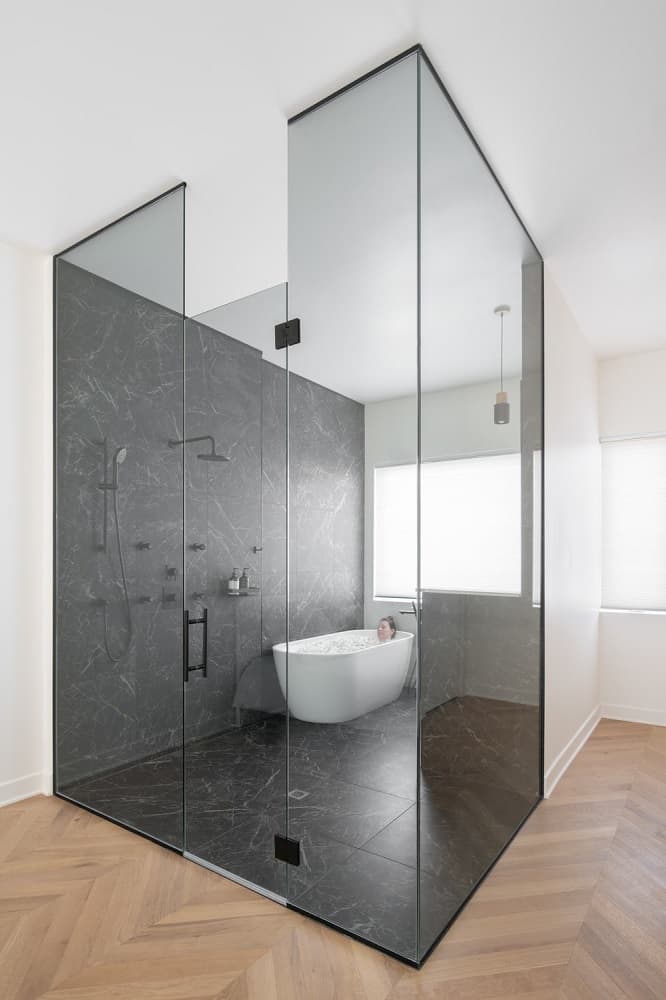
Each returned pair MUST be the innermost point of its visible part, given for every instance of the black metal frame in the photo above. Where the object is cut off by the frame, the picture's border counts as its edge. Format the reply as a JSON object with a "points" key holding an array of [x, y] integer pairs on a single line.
{"points": [[418, 49]]}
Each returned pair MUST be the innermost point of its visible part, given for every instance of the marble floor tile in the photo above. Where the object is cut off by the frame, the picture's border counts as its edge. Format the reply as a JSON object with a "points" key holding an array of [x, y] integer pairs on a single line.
{"points": [[329, 750], [352, 808], [347, 813], [390, 767], [146, 796], [246, 849], [370, 896]]}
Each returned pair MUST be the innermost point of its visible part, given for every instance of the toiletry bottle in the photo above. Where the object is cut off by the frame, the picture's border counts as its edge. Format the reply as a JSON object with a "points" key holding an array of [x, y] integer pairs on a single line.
{"points": [[244, 582], [234, 583]]}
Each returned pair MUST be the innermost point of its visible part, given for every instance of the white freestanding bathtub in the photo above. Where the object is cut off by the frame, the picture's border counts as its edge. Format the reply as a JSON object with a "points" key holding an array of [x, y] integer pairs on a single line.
{"points": [[337, 677]]}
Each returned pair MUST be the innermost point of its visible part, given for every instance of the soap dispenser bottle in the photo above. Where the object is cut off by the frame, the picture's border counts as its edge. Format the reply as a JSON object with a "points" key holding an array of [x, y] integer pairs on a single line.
{"points": [[233, 587], [244, 582]]}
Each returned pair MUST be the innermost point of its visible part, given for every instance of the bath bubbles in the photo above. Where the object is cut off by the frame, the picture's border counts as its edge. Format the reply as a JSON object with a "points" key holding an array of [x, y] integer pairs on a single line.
{"points": [[343, 643]]}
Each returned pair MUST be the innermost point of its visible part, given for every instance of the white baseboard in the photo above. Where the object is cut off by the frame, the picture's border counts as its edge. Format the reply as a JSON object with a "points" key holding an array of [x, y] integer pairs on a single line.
{"points": [[632, 713], [565, 756], [500, 694], [39, 783]]}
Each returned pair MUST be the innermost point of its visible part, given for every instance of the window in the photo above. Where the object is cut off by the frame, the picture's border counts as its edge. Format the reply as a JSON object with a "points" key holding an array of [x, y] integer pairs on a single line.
{"points": [[395, 531], [537, 472], [634, 524], [470, 518]]}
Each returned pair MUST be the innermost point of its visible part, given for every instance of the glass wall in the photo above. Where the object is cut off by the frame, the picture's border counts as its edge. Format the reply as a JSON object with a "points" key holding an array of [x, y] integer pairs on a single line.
{"points": [[419, 294], [119, 520], [480, 669], [353, 409]]}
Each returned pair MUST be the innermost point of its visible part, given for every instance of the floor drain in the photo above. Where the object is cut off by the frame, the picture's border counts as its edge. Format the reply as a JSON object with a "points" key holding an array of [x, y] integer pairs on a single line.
{"points": [[297, 793]]}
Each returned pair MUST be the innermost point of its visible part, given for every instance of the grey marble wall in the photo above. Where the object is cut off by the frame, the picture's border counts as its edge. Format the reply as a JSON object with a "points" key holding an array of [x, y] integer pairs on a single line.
{"points": [[119, 379], [501, 644], [120, 370], [326, 459], [326, 462], [442, 667], [481, 645], [223, 514]]}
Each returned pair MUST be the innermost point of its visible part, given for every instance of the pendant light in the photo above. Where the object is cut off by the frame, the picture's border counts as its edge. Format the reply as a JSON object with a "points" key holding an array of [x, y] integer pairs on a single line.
{"points": [[502, 408]]}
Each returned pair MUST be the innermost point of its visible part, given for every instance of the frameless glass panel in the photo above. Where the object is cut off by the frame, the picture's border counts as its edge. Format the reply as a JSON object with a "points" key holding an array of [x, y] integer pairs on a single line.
{"points": [[352, 412], [118, 583], [480, 516], [234, 451]]}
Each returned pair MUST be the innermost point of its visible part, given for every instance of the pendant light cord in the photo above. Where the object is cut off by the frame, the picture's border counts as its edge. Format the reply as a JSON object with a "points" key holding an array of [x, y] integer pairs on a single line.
{"points": [[502, 352]]}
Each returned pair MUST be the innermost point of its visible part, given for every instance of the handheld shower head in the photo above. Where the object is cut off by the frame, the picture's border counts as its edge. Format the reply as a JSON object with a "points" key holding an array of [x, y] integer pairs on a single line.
{"points": [[119, 457]]}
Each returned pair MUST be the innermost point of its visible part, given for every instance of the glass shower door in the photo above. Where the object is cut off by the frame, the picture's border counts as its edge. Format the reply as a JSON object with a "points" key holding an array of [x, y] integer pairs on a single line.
{"points": [[234, 457]]}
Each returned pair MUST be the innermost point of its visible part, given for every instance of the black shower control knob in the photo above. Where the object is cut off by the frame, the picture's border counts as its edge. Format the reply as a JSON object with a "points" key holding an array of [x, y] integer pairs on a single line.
{"points": [[143, 546], [198, 547]]}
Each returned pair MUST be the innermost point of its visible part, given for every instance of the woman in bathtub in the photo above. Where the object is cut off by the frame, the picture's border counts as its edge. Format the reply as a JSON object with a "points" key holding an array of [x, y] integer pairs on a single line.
{"points": [[386, 629]]}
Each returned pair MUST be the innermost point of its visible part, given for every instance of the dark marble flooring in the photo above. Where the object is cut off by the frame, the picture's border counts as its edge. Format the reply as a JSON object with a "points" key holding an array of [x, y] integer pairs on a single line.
{"points": [[347, 792]]}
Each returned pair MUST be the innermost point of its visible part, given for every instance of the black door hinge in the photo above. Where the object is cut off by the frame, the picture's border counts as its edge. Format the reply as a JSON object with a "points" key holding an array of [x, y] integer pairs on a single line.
{"points": [[287, 334], [287, 850]]}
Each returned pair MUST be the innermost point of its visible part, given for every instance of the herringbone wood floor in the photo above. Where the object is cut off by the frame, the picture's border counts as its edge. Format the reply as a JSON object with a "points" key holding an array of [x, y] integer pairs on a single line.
{"points": [[576, 908]]}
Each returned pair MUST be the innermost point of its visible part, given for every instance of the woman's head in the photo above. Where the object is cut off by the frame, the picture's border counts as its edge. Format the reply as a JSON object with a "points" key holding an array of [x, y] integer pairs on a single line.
{"points": [[386, 628]]}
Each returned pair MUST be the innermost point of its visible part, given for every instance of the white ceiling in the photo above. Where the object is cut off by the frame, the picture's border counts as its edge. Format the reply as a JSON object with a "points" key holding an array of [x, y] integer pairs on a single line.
{"points": [[105, 104]]}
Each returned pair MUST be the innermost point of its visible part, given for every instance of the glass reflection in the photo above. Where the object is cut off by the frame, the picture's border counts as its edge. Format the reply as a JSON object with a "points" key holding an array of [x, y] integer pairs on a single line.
{"points": [[480, 525]]}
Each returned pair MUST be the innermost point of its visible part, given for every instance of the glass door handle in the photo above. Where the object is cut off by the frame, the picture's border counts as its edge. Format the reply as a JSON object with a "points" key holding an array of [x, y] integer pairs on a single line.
{"points": [[187, 621]]}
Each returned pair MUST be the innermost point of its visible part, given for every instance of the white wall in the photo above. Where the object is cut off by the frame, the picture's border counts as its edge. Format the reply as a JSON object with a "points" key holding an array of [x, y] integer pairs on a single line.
{"points": [[632, 400], [572, 536], [632, 658], [25, 524]]}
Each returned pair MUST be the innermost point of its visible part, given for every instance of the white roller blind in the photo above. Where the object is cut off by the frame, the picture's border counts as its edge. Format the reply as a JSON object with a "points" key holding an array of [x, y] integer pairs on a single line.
{"points": [[536, 527], [471, 525], [395, 531], [470, 510], [634, 524]]}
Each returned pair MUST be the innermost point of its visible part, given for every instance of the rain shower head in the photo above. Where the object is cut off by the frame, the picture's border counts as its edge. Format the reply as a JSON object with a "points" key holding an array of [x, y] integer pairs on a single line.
{"points": [[212, 456]]}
